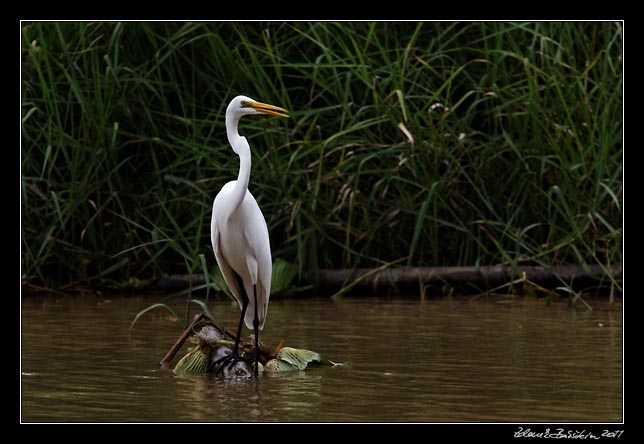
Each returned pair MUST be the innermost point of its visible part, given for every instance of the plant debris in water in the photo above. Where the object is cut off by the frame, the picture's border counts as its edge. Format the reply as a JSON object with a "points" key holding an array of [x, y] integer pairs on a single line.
{"points": [[213, 342]]}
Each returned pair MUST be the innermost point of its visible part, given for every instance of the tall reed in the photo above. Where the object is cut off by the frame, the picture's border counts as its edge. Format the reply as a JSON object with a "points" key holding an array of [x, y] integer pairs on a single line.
{"points": [[417, 143]]}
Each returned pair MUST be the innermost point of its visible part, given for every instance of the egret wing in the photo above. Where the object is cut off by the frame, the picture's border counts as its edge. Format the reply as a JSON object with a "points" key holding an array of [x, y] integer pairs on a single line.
{"points": [[226, 270], [260, 265]]}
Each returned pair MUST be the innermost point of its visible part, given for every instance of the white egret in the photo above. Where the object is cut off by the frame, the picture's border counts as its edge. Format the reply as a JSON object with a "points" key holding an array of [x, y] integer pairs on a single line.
{"points": [[239, 233]]}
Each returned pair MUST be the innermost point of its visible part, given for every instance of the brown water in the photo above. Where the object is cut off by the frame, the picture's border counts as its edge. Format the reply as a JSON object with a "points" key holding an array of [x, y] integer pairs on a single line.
{"points": [[412, 361]]}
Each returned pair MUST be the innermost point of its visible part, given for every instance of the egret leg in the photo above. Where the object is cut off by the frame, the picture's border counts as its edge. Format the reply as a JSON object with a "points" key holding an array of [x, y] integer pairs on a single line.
{"points": [[234, 356], [256, 328], [239, 327]]}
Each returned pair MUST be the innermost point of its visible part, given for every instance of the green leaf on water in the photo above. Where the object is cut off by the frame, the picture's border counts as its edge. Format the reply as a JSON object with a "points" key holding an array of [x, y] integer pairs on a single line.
{"points": [[195, 361], [277, 365], [298, 357], [291, 359]]}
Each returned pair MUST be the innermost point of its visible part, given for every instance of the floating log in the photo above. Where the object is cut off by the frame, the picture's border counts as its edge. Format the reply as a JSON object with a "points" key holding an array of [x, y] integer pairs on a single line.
{"points": [[479, 277], [460, 275]]}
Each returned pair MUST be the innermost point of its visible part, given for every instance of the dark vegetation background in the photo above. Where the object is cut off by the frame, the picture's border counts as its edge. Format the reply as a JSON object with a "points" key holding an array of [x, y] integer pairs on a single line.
{"points": [[422, 144]]}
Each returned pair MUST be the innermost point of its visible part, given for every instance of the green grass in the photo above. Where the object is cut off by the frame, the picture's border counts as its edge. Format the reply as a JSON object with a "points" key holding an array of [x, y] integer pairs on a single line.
{"points": [[426, 144]]}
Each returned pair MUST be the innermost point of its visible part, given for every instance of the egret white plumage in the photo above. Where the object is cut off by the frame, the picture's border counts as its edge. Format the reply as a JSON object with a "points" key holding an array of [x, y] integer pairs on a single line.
{"points": [[239, 233]]}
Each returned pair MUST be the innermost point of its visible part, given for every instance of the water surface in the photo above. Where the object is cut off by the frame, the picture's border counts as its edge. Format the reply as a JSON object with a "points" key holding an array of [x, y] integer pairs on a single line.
{"points": [[446, 360]]}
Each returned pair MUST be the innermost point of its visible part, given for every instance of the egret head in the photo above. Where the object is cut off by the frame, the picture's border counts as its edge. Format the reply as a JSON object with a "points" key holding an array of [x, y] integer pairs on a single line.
{"points": [[242, 105]]}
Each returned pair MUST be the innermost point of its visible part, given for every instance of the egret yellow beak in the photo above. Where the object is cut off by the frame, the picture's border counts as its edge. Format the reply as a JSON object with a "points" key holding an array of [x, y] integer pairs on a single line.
{"points": [[265, 108]]}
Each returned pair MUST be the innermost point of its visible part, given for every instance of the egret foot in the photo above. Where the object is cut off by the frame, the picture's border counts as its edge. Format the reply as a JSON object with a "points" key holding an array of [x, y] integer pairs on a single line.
{"points": [[228, 364]]}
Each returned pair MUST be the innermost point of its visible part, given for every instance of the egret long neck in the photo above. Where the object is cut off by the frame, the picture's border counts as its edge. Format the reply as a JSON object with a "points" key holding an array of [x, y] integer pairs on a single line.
{"points": [[240, 146]]}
